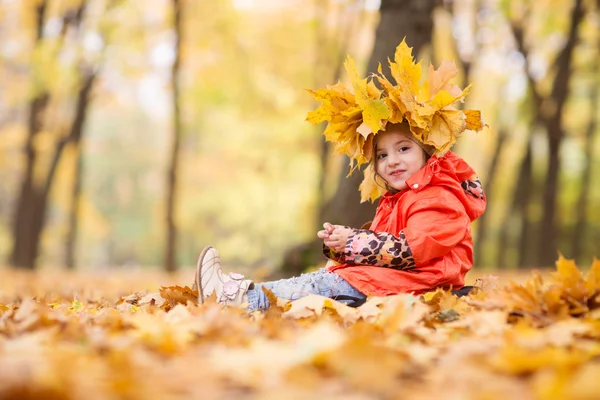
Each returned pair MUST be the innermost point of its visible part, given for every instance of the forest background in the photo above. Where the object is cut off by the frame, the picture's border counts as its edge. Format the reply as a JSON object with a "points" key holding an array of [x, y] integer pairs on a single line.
{"points": [[133, 133]]}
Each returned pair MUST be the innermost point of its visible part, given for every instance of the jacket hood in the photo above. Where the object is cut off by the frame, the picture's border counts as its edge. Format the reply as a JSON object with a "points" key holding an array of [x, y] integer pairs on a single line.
{"points": [[453, 173]]}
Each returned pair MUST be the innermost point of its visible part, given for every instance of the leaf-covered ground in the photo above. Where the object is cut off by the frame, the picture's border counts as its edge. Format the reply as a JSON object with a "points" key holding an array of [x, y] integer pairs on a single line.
{"points": [[94, 337]]}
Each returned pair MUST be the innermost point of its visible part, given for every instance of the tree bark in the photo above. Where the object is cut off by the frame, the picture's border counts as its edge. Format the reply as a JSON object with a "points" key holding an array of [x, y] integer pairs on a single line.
{"points": [[577, 248], [74, 139], [23, 251], [520, 201], [31, 206], [549, 227], [552, 122], [170, 263], [467, 64], [398, 19], [343, 36], [524, 189], [482, 227], [73, 228]]}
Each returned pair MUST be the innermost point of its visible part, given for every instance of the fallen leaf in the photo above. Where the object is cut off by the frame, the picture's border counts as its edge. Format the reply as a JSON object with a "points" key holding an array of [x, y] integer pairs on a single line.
{"points": [[174, 295]]}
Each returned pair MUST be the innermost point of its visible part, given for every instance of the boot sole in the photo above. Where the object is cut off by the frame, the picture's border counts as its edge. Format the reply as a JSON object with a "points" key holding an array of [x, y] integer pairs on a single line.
{"points": [[198, 277]]}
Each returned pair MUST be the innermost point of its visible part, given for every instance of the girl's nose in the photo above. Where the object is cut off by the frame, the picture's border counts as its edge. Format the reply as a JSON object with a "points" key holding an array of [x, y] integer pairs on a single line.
{"points": [[393, 159]]}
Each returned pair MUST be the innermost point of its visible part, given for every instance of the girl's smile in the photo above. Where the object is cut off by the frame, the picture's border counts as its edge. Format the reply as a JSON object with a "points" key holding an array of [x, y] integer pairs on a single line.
{"points": [[398, 172]]}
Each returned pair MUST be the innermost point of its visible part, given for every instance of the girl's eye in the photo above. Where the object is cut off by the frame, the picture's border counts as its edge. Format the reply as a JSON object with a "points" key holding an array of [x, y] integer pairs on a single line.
{"points": [[404, 148], [381, 156]]}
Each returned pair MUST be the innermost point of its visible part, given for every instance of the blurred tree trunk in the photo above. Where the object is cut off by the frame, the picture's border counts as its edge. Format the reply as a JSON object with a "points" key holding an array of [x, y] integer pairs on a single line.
{"points": [[548, 113], [467, 66], [346, 25], [33, 197], [170, 263], [398, 19], [72, 229], [524, 189], [523, 196], [482, 227], [549, 228], [25, 244], [517, 210], [466, 60], [74, 139], [577, 248]]}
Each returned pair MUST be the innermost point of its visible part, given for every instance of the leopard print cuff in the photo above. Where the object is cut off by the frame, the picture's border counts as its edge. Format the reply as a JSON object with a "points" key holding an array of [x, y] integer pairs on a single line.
{"points": [[332, 254], [378, 249], [474, 188]]}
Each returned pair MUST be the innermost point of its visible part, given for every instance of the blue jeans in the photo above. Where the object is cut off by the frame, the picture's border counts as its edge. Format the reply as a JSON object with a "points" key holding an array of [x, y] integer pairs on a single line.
{"points": [[321, 282]]}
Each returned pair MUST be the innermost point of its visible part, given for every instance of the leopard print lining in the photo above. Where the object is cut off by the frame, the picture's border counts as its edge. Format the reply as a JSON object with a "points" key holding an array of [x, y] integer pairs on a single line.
{"points": [[474, 188], [378, 249], [332, 254]]}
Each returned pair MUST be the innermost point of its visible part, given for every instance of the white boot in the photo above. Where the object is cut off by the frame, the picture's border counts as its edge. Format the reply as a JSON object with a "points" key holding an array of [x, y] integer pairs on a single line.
{"points": [[230, 289]]}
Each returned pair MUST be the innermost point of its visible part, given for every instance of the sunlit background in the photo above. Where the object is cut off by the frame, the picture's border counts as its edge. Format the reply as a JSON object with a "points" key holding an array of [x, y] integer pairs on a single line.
{"points": [[88, 87]]}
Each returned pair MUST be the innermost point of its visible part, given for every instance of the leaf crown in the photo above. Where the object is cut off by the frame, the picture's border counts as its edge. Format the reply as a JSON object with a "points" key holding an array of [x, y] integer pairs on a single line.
{"points": [[355, 115]]}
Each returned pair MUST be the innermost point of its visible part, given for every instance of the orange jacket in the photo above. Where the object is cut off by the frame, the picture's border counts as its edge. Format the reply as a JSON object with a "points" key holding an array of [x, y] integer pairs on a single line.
{"points": [[434, 214]]}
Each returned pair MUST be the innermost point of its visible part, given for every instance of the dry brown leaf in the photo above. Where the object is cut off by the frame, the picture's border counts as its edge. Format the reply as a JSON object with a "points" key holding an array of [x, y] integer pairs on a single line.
{"points": [[174, 295], [487, 283], [152, 299], [315, 305], [274, 301], [371, 309], [517, 360], [365, 364], [3, 309], [539, 339], [482, 324]]}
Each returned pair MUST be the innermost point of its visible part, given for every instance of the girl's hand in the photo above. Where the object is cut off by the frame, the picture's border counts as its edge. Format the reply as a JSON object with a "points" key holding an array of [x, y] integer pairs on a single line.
{"points": [[324, 234], [337, 238]]}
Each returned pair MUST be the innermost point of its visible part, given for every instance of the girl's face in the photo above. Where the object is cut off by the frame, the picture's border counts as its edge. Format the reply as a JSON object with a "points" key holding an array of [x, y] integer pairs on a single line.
{"points": [[397, 158]]}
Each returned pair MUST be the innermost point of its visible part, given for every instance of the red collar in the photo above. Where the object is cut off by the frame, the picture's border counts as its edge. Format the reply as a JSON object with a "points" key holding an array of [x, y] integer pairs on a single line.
{"points": [[422, 177]]}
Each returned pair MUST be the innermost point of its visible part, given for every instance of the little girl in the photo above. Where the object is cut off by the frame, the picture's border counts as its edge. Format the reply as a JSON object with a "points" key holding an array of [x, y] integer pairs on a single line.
{"points": [[420, 238]]}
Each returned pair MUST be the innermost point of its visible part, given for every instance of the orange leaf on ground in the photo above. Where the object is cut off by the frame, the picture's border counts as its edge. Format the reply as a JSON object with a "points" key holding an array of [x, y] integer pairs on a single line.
{"points": [[178, 295]]}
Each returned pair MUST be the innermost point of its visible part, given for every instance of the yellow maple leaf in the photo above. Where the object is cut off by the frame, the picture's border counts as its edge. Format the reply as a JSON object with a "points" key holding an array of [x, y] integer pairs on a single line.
{"points": [[369, 188], [177, 295], [406, 73], [314, 306], [474, 120], [568, 294], [446, 127], [76, 305], [440, 79], [334, 98], [353, 118], [392, 98], [567, 272], [514, 359], [444, 98], [427, 108], [368, 97], [592, 279], [573, 288]]}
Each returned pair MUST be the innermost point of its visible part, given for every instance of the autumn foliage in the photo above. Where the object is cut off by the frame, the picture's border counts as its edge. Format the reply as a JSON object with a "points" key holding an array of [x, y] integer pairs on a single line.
{"points": [[355, 115], [81, 340]]}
